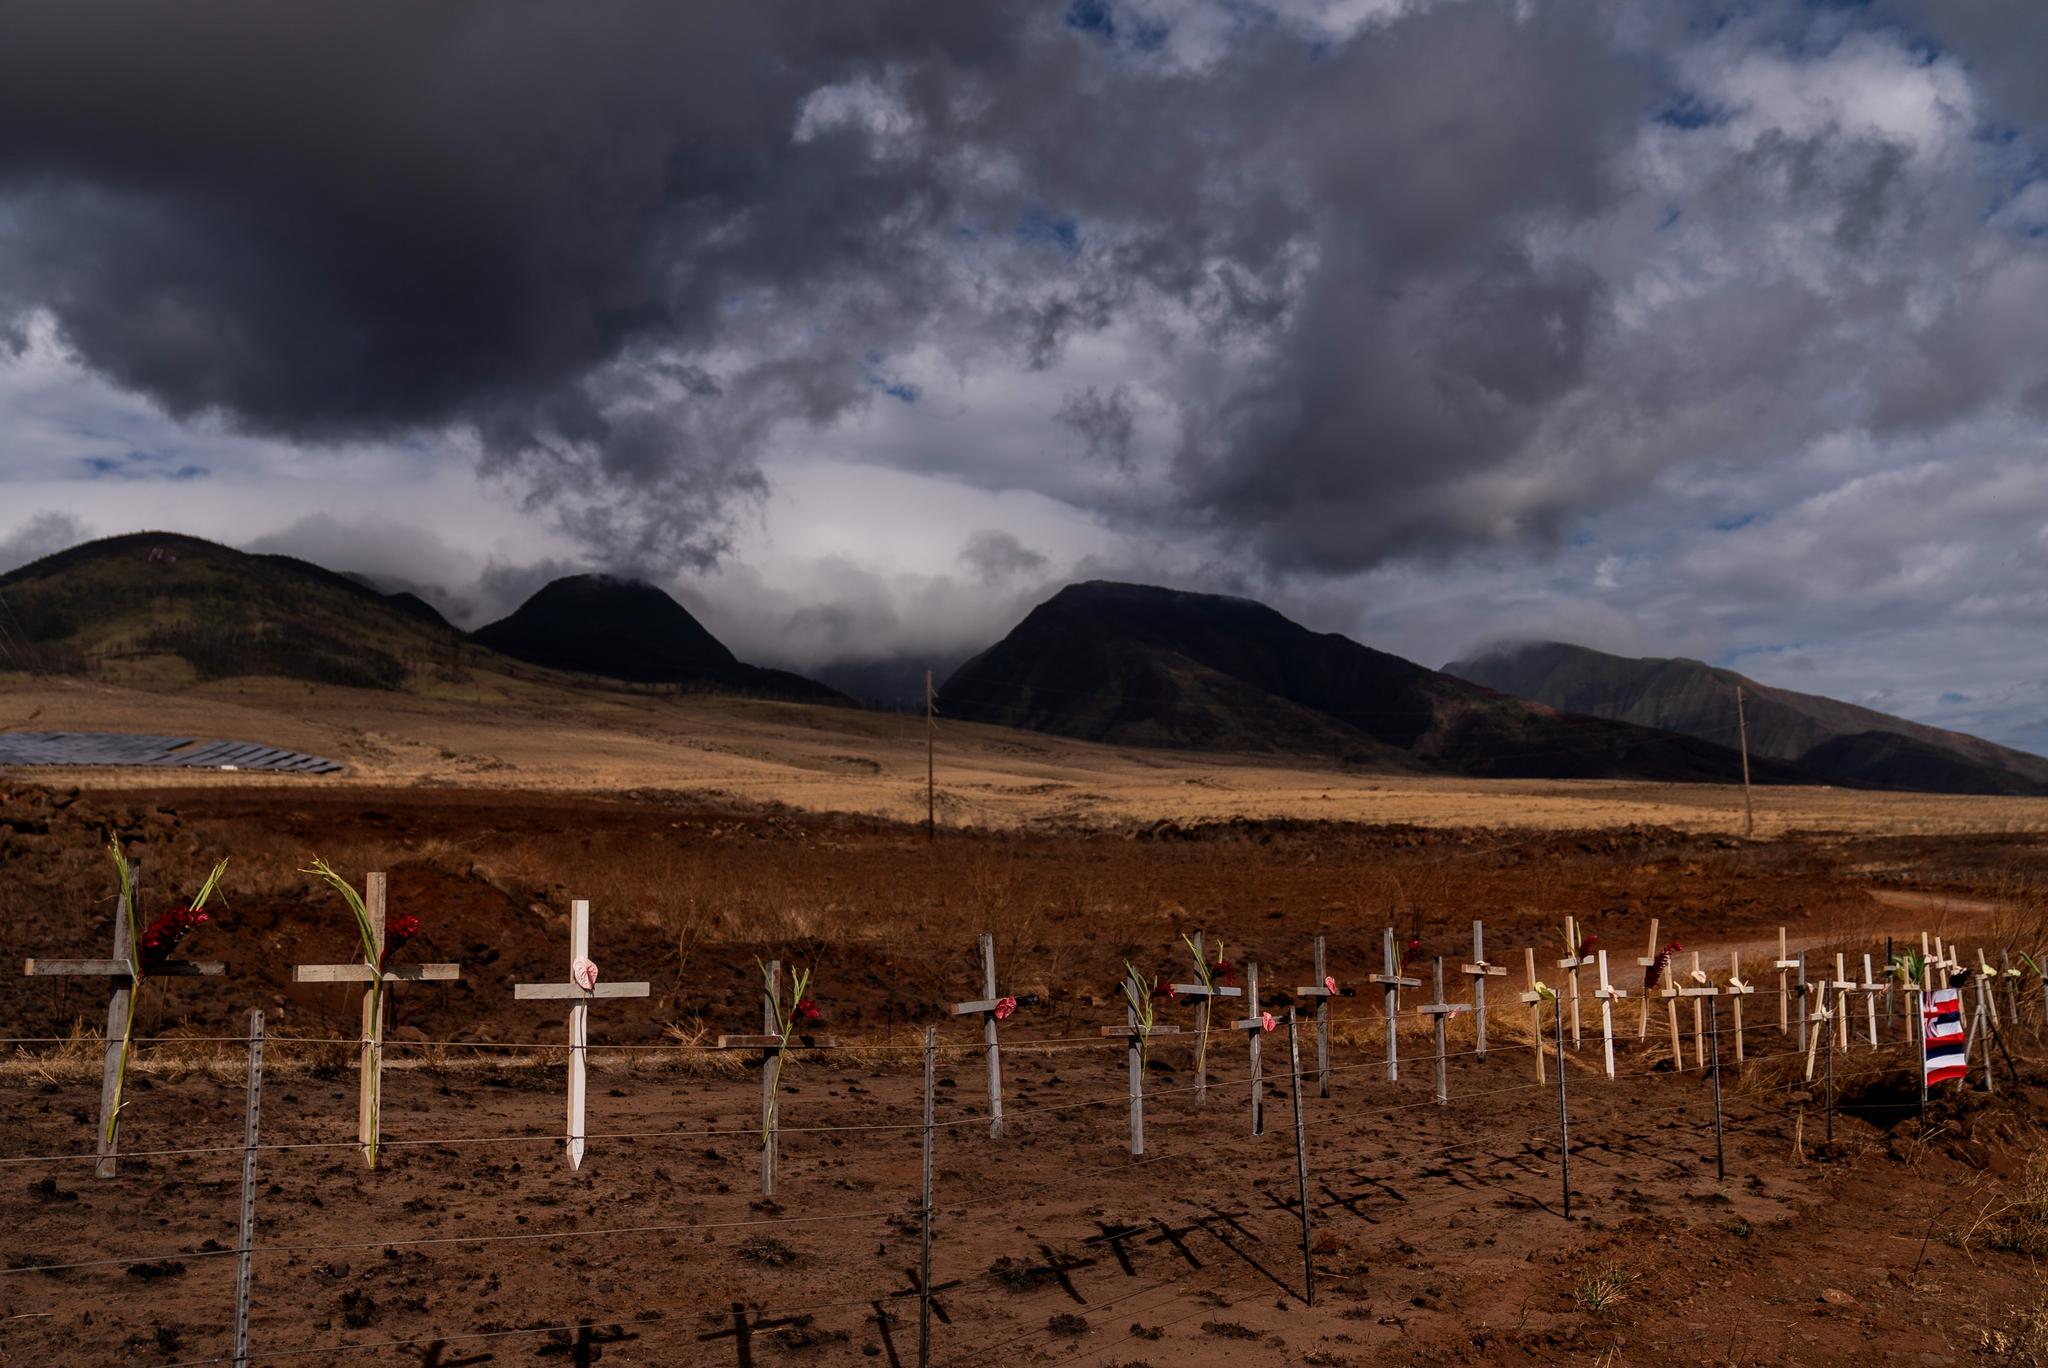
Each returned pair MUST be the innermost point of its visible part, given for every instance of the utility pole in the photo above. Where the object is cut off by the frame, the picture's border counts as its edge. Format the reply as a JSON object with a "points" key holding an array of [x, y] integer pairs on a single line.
{"points": [[1742, 730], [931, 824]]}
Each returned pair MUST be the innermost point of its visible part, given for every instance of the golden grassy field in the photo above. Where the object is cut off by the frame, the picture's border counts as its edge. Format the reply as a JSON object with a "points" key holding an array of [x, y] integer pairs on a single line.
{"points": [[500, 732]]}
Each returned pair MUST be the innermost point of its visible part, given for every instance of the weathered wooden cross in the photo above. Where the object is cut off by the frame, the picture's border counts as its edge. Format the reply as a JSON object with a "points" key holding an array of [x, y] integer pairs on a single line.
{"points": [[1321, 991], [123, 982], [1699, 990], [1535, 1001], [1437, 1011], [1647, 962], [1255, 1027], [991, 1009], [1607, 993], [1988, 977], [771, 1046], [581, 989], [1393, 983], [370, 1057], [1842, 985], [1479, 971], [1137, 1039], [1870, 988], [1573, 962], [1737, 989], [1669, 992], [1784, 963], [1200, 994]]}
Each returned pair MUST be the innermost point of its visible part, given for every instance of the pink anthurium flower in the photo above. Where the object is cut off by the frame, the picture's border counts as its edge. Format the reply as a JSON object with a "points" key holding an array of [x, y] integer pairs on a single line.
{"points": [[1330, 984], [585, 974], [1266, 1022], [1005, 1006]]}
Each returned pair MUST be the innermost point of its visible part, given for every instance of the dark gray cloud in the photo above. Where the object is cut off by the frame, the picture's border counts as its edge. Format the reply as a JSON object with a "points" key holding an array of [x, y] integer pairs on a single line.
{"points": [[995, 556]]}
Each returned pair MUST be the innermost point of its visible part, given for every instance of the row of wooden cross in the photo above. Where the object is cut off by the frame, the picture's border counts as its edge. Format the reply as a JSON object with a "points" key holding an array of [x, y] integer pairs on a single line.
{"points": [[584, 987]]}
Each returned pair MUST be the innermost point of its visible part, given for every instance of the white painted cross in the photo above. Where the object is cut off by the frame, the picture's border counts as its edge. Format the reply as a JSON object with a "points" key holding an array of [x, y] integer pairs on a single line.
{"points": [[991, 1009], [1607, 993], [583, 986], [1670, 995], [1479, 971], [119, 970], [1700, 989], [1436, 1012], [1255, 1027], [370, 1058], [1842, 985], [1324, 988], [1393, 982], [1201, 993]]}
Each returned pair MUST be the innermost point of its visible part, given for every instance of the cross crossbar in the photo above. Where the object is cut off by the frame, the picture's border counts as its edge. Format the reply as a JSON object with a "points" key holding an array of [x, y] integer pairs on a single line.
{"points": [[113, 968], [360, 973]]}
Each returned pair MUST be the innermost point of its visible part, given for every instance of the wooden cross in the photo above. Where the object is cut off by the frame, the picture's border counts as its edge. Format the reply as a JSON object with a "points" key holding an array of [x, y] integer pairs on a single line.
{"points": [[1647, 962], [370, 1057], [1784, 963], [119, 970], [1607, 993], [1870, 988], [1321, 992], [1137, 1039], [1255, 1026], [1573, 962], [1479, 971], [580, 990], [771, 1046], [1393, 983], [1436, 1012], [1821, 1019], [1989, 977], [1843, 986], [1700, 989], [1737, 989], [1669, 992], [1535, 1001], [2012, 987], [1202, 993], [991, 1009]]}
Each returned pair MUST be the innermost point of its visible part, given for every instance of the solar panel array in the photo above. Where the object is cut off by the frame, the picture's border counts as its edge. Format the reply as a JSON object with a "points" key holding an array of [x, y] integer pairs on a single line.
{"points": [[177, 752]]}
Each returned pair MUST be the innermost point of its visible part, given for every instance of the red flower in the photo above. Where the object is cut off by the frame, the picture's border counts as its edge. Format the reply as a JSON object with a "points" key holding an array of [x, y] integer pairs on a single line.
{"points": [[1412, 952], [807, 1010], [1586, 945], [1223, 971], [1005, 1006], [166, 931], [1655, 972], [396, 933]]}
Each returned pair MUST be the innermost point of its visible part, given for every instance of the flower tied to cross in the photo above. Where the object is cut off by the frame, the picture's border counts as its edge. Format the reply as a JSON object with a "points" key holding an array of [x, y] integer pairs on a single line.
{"points": [[583, 973], [1654, 974], [806, 1010], [1330, 984], [1140, 995], [397, 932], [166, 931], [1409, 954], [1004, 1007], [1266, 1022], [1543, 990]]}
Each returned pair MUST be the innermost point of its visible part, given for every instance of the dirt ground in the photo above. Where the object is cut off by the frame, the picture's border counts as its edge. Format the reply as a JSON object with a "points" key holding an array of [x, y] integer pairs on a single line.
{"points": [[1437, 1232]]}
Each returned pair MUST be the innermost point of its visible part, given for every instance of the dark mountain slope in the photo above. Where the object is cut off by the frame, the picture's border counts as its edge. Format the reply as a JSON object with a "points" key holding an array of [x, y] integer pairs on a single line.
{"points": [[1139, 665], [625, 629], [1837, 742]]}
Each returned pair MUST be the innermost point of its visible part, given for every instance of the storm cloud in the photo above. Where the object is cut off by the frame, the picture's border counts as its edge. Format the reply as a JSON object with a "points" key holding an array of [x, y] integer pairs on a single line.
{"points": [[1348, 305]]}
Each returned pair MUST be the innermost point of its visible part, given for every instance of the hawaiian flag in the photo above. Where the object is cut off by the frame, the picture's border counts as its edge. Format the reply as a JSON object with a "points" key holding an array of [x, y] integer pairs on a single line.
{"points": [[1947, 1045]]}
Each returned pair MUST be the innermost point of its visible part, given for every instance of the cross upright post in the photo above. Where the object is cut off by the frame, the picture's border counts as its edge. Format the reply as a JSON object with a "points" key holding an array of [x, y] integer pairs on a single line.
{"points": [[1255, 1024], [1535, 1001], [991, 1009], [370, 1055], [1202, 993], [1572, 962], [1870, 988], [124, 971], [1136, 1037], [1607, 993], [1784, 964], [1842, 985], [1436, 1012], [1322, 990], [1988, 976], [581, 989], [1737, 989], [1701, 990], [1479, 971], [1393, 982], [1648, 961]]}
